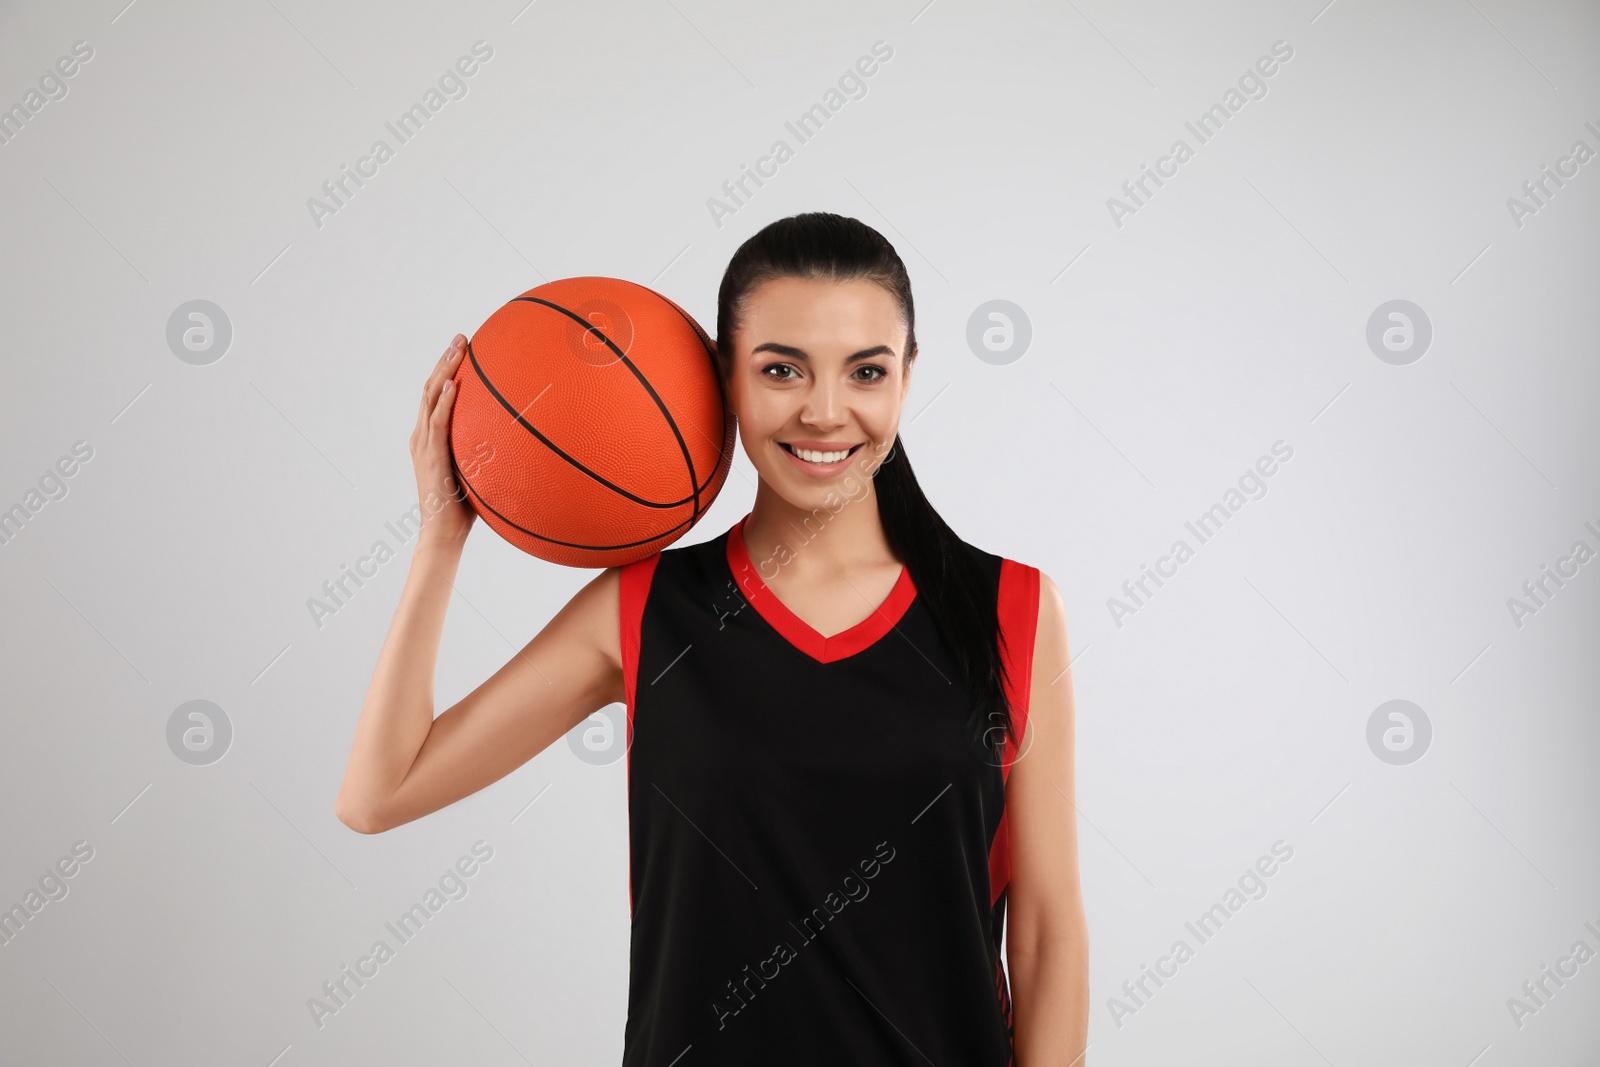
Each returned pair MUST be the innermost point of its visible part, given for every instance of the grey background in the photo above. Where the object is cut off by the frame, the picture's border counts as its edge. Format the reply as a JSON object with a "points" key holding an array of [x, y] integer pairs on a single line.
{"points": [[1167, 354]]}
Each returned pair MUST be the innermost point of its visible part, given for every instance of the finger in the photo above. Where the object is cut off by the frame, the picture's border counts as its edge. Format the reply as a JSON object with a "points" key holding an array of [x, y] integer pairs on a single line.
{"points": [[441, 410], [447, 361], [452, 368], [430, 388], [423, 408], [450, 349], [446, 364], [453, 358], [430, 395], [435, 382]]}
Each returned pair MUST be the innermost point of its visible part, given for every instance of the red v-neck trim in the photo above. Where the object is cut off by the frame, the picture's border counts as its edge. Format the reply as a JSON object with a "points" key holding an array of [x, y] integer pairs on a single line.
{"points": [[797, 631]]}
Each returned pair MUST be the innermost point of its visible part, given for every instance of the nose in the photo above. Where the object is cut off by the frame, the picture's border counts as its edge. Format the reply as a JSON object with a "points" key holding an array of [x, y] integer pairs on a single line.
{"points": [[823, 406]]}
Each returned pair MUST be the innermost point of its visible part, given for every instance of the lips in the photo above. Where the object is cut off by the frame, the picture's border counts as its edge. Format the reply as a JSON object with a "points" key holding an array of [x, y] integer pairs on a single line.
{"points": [[819, 447], [810, 468]]}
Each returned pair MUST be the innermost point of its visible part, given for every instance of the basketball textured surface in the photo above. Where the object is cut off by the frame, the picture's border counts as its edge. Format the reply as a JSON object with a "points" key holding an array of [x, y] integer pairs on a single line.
{"points": [[590, 428]]}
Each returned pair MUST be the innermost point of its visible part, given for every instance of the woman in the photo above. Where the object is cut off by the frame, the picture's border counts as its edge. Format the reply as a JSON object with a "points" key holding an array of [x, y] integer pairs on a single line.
{"points": [[851, 732]]}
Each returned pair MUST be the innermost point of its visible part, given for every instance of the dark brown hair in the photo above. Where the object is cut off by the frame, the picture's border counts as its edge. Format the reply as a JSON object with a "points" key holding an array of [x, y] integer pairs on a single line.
{"points": [[947, 575]]}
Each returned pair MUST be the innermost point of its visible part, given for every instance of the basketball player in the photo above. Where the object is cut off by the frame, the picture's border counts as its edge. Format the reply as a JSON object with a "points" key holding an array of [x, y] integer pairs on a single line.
{"points": [[851, 732]]}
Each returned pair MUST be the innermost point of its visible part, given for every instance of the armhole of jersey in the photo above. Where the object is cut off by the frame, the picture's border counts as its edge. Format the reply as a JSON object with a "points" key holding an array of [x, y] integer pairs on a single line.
{"points": [[1018, 608], [633, 590], [1019, 624]]}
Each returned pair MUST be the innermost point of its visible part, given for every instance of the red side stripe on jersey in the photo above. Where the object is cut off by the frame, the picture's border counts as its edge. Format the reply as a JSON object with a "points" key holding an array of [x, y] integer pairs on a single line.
{"points": [[635, 589], [1003, 993], [1019, 622], [631, 595]]}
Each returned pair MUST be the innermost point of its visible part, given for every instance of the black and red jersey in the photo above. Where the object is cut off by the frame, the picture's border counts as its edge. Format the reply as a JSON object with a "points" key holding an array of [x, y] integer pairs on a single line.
{"points": [[818, 851]]}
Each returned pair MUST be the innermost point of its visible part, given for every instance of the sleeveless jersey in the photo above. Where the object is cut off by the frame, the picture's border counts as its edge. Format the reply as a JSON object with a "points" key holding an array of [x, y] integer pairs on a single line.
{"points": [[817, 847]]}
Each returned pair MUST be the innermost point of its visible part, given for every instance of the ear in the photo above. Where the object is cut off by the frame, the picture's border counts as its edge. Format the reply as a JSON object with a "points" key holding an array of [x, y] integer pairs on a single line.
{"points": [[905, 379]]}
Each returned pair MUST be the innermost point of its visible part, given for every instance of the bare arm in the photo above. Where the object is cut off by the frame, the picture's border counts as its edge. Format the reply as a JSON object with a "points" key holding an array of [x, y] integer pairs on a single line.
{"points": [[404, 763], [1047, 942]]}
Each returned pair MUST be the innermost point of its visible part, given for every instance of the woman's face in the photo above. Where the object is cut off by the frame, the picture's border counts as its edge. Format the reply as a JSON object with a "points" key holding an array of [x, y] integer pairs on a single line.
{"points": [[817, 372]]}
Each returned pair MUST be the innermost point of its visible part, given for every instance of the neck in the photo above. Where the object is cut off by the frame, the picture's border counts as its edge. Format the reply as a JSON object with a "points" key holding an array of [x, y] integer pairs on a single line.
{"points": [[823, 540]]}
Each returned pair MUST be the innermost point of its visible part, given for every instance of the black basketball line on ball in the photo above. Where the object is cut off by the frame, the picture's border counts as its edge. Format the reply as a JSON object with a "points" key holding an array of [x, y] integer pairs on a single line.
{"points": [[683, 446], [716, 370], [551, 540], [472, 357]]}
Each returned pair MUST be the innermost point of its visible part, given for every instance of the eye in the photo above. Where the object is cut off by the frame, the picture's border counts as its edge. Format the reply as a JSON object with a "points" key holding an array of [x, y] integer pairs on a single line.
{"points": [[767, 371], [879, 372]]}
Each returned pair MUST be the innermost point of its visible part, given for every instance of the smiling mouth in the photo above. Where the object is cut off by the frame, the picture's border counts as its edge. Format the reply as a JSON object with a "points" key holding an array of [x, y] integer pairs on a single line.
{"points": [[818, 457]]}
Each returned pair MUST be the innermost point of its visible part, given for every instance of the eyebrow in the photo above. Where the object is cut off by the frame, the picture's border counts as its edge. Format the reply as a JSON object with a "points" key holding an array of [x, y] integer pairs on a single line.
{"points": [[800, 354]]}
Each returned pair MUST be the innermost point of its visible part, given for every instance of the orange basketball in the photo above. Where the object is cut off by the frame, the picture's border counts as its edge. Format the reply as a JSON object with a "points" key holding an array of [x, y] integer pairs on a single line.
{"points": [[590, 428]]}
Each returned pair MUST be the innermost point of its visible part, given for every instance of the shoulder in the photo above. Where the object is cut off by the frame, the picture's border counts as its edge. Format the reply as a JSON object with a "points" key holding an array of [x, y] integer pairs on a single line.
{"points": [[612, 603], [1039, 597], [1030, 601], [1016, 577], [704, 554], [1050, 597], [1051, 631], [1051, 658], [700, 561], [991, 565]]}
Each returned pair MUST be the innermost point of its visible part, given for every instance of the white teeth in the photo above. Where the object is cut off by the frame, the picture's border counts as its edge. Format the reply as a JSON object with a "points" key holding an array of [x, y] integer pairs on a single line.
{"points": [[819, 457]]}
